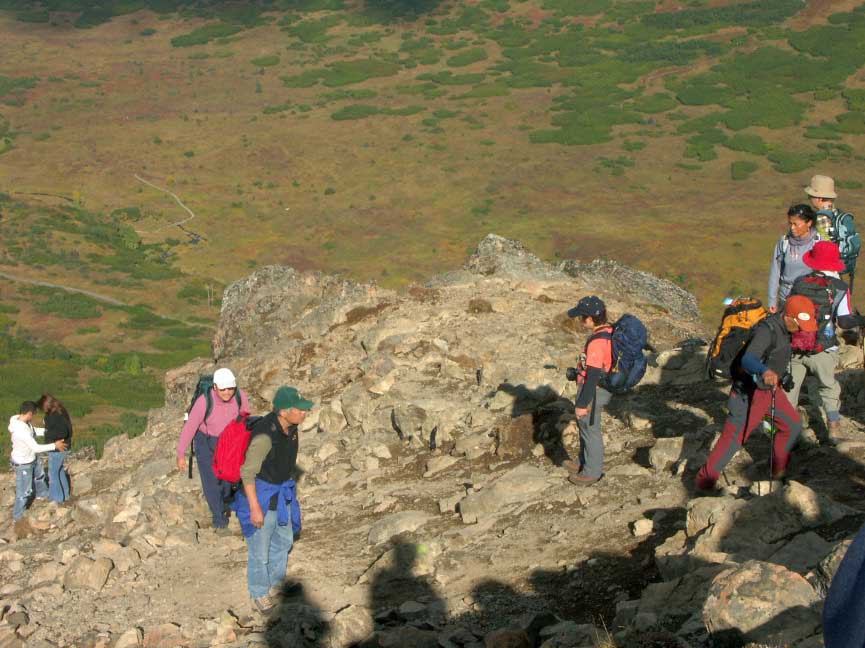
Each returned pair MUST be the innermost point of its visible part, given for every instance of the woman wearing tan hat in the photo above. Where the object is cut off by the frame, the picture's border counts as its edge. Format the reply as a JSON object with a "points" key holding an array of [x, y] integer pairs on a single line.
{"points": [[817, 353], [787, 264]]}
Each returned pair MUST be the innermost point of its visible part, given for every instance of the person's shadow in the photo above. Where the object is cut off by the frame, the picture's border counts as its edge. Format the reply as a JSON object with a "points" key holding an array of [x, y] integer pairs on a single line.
{"points": [[399, 594]]}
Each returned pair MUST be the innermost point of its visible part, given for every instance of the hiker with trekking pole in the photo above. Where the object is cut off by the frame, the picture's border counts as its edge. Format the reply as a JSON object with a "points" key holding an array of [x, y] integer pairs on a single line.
{"points": [[757, 374], [217, 401]]}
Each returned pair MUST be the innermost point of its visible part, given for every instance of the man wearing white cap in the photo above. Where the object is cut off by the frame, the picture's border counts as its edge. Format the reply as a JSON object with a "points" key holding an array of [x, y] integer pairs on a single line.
{"points": [[834, 224], [208, 417]]}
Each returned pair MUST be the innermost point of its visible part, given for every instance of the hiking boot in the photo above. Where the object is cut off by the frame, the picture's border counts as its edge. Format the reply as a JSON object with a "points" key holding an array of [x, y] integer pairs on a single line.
{"points": [[571, 466], [834, 433], [264, 604], [223, 532], [579, 479]]}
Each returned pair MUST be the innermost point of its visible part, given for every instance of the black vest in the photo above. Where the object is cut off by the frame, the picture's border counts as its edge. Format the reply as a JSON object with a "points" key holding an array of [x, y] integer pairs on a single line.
{"points": [[279, 464]]}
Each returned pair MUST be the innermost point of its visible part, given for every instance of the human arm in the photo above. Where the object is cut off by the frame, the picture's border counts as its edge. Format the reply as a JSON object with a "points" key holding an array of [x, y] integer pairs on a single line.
{"points": [[256, 453], [775, 276], [21, 436], [190, 427], [587, 390]]}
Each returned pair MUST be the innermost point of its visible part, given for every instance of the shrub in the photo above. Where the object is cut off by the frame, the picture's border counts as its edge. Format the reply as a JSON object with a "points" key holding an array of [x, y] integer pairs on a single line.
{"points": [[654, 103], [205, 34], [757, 12], [747, 143], [69, 306], [851, 122], [468, 57], [127, 391], [449, 78], [741, 169], [265, 61], [789, 161]]}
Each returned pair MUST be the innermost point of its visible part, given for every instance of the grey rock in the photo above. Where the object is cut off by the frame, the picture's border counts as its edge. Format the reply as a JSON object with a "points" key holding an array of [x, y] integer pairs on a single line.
{"points": [[517, 485], [84, 573], [802, 553], [402, 522]]}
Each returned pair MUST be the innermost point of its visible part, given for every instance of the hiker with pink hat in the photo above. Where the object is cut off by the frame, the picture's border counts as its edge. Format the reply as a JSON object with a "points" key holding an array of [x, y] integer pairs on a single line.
{"points": [[816, 353], [834, 224]]}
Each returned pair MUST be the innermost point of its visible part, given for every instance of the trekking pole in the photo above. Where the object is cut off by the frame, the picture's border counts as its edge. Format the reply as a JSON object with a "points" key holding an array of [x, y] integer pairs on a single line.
{"points": [[772, 439]]}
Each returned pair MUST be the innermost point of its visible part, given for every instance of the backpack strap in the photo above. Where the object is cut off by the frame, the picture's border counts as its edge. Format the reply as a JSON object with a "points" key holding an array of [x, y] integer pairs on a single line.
{"points": [[208, 399]]}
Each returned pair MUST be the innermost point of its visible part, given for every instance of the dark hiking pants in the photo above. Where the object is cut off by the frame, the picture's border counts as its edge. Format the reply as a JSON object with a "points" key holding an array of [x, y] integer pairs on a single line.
{"points": [[215, 490]]}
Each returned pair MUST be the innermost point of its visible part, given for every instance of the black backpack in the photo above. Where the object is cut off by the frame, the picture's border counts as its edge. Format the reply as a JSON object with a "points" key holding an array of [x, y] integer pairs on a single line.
{"points": [[820, 289]]}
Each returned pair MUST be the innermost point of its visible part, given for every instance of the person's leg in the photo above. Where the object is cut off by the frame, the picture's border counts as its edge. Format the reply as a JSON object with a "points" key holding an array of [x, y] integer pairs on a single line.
{"points": [[280, 545], [205, 446], [39, 479], [592, 438], [798, 370], [823, 366], [788, 427], [23, 489], [64, 476], [728, 444], [58, 487], [258, 579]]}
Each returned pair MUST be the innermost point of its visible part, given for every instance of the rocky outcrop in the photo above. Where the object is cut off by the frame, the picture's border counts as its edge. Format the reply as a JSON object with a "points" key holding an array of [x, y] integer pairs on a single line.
{"points": [[435, 509]]}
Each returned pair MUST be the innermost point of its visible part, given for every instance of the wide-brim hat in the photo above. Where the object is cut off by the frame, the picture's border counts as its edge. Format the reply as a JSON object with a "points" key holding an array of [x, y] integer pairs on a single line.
{"points": [[289, 398], [824, 256], [821, 187]]}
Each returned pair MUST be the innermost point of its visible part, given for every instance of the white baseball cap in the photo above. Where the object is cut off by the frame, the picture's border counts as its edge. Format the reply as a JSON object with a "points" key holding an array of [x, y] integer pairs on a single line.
{"points": [[223, 379]]}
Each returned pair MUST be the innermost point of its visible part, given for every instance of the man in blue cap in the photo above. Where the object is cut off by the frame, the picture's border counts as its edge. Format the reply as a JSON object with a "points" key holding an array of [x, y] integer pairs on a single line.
{"points": [[266, 505]]}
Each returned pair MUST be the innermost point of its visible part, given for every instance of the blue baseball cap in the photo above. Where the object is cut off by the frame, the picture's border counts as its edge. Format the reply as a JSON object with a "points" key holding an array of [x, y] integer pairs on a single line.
{"points": [[591, 306]]}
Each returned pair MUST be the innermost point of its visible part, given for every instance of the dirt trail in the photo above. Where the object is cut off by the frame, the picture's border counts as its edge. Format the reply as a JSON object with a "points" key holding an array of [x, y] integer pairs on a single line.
{"points": [[93, 295]]}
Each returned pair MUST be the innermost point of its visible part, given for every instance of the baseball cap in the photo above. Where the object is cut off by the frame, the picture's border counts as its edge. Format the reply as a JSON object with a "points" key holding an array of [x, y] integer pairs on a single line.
{"points": [[224, 379], [591, 306], [803, 311], [290, 398]]}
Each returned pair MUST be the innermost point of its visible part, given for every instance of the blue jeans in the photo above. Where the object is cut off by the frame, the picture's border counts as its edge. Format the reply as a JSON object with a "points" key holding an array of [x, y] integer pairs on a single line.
{"points": [[58, 479], [25, 476], [215, 490], [268, 555]]}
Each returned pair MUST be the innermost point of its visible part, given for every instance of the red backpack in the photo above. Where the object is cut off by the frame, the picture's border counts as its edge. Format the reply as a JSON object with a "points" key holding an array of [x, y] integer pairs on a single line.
{"points": [[231, 449]]}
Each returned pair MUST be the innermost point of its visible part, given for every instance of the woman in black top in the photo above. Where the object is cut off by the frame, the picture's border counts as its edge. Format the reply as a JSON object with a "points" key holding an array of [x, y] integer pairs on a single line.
{"points": [[57, 426]]}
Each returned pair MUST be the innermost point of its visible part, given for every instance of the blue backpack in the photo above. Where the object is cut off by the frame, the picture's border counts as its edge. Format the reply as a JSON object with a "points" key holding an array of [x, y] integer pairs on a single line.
{"points": [[629, 338]]}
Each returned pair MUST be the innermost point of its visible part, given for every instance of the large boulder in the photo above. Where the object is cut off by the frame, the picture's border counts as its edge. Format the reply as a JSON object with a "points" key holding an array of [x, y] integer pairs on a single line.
{"points": [[761, 602], [85, 573]]}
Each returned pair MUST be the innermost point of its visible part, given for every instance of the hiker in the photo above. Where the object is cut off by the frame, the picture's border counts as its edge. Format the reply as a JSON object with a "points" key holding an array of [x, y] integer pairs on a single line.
{"points": [[202, 429], [818, 354], [843, 621], [755, 392], [58, 427], [595, 362], [834, 224], [28, 466], [787, 264], [266, 505]]}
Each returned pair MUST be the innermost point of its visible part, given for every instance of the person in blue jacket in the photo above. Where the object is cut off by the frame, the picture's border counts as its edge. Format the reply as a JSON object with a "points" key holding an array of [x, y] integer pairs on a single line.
{"points": [[266, 505], [844, 610]]}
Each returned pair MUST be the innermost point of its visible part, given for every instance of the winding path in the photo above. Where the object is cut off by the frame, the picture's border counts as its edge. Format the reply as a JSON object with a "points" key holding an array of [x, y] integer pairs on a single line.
{"points": [[177, 199], [93, 295]]}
